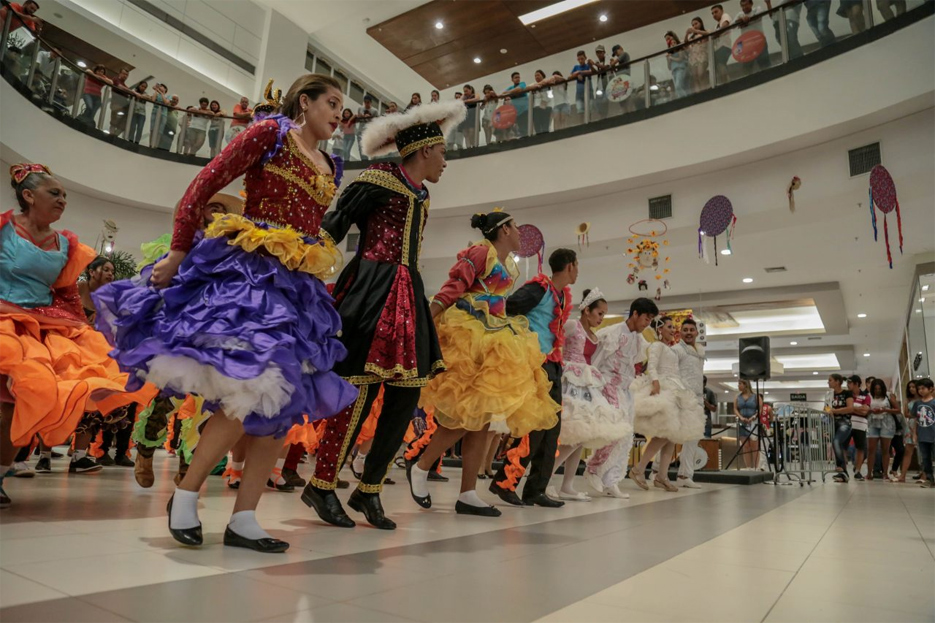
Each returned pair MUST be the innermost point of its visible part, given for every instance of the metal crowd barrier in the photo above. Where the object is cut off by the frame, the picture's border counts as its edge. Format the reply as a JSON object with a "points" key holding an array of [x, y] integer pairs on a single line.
{"points": [[803, 438]]}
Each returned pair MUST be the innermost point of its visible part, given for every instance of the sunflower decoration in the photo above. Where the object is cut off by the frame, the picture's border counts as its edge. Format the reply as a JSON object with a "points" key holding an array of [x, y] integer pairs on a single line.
{"points": [[583, 231], [646, 255]]}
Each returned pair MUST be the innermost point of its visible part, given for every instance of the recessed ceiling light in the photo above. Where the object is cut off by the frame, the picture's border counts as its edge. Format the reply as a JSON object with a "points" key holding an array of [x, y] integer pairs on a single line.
{"points": [[552, 10], [925, 288], [748, 279], [918, 311], [866, 354], [861, 315], [603, 18], [82, 64], [922, 300], [477, 60], [503, 50], [725, 252], [814, 373], [793, 343], [439, 25], [726, 391], [598, 92]]}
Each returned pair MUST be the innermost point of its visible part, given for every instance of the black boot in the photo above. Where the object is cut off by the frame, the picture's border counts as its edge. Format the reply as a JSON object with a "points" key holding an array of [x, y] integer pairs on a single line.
{"points": [[369, 504], [506, 495], [327, 505]]}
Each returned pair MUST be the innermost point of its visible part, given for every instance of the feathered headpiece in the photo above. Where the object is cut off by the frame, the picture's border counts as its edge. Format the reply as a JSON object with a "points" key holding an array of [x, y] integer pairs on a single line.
{"points": [[420, 126]]}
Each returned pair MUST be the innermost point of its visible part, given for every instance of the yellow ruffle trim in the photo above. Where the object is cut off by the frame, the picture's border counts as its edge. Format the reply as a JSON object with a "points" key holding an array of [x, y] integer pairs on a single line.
{"points": [[492, 376], [322, 259]]}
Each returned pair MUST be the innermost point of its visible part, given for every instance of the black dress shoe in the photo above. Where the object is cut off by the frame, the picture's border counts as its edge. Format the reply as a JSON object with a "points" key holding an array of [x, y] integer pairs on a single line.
{"points": [[482, 476], [481, 511], [279, 487], [506, 495], [389, 481], [185, 536], [369, 504], [436, 477], [424, 502], [267, 546], [327, 505], [343, 484], [543, 500]]}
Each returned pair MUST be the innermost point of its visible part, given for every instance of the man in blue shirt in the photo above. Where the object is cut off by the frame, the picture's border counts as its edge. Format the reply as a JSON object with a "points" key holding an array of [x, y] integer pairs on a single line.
{"points": [[582, 75], [520, 101], [546, 303]]}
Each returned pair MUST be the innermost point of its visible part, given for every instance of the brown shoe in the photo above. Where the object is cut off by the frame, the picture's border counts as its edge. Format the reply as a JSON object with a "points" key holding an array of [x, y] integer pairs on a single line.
{"points": [[665, 484], [638, 478], [143, 471]]}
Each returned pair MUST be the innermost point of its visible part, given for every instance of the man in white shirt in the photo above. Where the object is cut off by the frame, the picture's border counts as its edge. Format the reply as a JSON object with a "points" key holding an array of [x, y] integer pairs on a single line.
{"points": [[691, 369], [722, 42], [617, 362], [749, 15]]}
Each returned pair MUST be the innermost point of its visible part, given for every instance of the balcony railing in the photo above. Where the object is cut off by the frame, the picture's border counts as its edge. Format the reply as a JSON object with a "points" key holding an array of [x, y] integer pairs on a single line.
{"points": [[788, 37]]}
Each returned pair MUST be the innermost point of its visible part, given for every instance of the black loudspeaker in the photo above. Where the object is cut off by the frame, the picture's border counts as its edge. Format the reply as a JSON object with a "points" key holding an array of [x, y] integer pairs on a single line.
{"points": [[754, 358]]}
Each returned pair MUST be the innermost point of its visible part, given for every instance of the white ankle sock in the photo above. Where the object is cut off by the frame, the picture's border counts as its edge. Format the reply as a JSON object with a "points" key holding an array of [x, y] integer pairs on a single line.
{"points": [[78, 455], [420, 479], [276, 476], [244, 523], [359, 461], [184, 510], [45, 454], [236, 465], [472, 499]]}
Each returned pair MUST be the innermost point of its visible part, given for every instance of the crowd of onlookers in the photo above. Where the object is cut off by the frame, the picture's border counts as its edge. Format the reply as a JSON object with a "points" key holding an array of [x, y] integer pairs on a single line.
{"points": [[874, 427], [549, 102]]}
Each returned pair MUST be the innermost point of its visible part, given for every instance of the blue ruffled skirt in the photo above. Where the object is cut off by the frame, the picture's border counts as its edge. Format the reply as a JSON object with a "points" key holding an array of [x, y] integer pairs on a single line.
{"points": [[235, 327]]}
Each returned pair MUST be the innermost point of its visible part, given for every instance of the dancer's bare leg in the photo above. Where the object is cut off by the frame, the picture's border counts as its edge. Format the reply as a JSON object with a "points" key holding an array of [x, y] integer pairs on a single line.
{"points": [[219, 436], [493, 443], [473, 451]]}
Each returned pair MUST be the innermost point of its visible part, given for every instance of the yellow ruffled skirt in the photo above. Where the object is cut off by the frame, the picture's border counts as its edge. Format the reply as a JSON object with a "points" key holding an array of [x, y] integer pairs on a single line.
{"points": [[494, 375]]}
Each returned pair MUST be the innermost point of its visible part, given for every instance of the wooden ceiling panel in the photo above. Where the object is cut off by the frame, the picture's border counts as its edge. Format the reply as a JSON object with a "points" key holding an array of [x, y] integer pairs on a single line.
{"points": [[450, 69], [484, 27]]}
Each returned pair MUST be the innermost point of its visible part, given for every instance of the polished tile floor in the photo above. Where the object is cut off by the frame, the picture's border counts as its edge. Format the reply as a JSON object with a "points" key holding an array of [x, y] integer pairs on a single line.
{"points": [[94, 547]]}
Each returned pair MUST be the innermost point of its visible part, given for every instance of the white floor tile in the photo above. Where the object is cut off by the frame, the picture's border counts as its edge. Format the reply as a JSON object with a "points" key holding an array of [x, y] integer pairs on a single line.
{"points": [[16, 590]]}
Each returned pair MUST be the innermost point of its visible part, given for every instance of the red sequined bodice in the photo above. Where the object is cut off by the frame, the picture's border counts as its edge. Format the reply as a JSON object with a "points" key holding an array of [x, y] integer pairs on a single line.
{"points": [[286, 190]]}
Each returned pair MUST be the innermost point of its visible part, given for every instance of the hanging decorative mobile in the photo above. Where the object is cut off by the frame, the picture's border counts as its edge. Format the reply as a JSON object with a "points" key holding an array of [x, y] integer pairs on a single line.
{"points": [[883, 196], [645, 253], [582, 232], [108, 237], [531, 243], [794, 185], [716, 217]]}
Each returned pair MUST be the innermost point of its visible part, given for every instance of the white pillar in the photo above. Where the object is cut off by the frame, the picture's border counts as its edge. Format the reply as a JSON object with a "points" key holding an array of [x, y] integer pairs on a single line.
{"points": [[282, 54]]}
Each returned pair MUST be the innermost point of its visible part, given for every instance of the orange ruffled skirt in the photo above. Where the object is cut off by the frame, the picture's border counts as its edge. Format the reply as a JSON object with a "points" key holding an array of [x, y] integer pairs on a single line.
{"points": [[55, 371], [494, 375]]}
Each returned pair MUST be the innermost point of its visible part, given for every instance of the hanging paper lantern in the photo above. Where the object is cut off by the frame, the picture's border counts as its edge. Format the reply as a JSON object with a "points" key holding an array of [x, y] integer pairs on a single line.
{"points": [[531, 243], [716, 216], [883, 196]]}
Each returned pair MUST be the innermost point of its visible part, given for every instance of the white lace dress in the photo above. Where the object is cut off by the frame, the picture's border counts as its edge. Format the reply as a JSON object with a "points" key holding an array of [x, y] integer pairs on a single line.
{"points": [[588, 419], [674, 413]]}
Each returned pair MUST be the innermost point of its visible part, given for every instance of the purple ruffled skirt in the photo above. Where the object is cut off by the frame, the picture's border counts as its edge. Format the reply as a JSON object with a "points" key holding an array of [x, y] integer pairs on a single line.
{"points": [[235, 327]]}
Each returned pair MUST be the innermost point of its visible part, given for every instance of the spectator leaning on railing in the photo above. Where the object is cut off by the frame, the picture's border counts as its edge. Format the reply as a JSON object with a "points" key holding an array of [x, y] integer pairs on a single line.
{"points": [[242, 116], [140, 97], [24, 15], [749, 17], [520, 101], [599, 68], [197, 130], [93, 84], [119, 103], [582, 75], [793, 16], [722, 43], [216, 127]]}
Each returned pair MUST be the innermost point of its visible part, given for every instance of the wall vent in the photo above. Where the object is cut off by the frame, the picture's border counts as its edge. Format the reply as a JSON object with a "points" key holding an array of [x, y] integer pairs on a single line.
{"points": [[350, 245], [862, 159], [660, 207], [775, 269], [814, 339]]}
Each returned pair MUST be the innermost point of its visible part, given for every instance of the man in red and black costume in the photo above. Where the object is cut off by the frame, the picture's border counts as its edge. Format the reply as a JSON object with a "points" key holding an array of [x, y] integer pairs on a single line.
{"points": [[546, 304], [386, 322]]}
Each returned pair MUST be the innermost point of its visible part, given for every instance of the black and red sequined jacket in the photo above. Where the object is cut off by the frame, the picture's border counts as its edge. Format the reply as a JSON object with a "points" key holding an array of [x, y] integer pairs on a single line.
{"points": [[386, 322]]}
